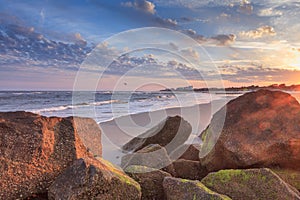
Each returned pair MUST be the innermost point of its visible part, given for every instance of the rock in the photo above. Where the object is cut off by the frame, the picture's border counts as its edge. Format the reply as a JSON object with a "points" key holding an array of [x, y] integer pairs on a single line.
{"points": [[187, 152], [94, 179], [192, 153], [43, 196], [188, 169], [250, 184], [90, 134], [176, 188], [291, 177], [261, 129], [152, 156], [171, 133], [150, 180], [34, 150]]}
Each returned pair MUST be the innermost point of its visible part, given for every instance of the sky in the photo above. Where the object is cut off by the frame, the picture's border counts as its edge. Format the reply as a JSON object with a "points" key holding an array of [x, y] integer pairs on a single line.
{"points": [[141, 44]]}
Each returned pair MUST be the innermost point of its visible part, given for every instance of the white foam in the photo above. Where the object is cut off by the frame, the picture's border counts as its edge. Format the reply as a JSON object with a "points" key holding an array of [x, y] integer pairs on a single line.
{"points": [[65, 107]]}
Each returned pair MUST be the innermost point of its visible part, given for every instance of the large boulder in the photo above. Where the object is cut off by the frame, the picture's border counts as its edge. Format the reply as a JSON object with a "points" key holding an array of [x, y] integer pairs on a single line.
{"points": [[191, 153], [176, 188], [90, 134], [189, 169], [150, 180], [170, 133], [261, 129], [250, 184], [187, 152], [152, 156], [94, 179], [34, 150], [291, 177]]}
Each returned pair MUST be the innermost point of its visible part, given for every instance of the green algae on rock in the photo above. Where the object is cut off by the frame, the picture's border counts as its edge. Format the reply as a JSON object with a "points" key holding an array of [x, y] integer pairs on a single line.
{"points": [[291, 177], [250, 184], [92, 179], [176, 188]]}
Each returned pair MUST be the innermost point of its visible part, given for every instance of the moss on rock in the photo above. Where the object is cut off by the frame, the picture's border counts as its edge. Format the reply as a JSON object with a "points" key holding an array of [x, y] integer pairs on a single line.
{"points": [[89, 178], [292, 177], [176, 188], [250, 184]]}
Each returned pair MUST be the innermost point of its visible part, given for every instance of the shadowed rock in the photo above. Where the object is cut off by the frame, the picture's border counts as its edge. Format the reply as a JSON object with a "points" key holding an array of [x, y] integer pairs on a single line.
{"points": [[94, 179], [152, 156], [176, 188], [34, 150], [187, 152], [261, 129], [188, 169], [171, 133], [150, 180], [250, 184]]}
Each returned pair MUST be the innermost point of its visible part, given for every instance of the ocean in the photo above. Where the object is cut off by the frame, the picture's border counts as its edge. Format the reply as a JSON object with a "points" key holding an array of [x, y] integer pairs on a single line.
{"points": [[106, 105]]}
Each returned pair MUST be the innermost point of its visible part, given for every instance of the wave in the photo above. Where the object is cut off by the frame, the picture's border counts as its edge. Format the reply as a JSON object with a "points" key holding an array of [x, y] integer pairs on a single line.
{"points": [[74, 106], [51, 109], [18, 93], [104, 102], [27, 93]]}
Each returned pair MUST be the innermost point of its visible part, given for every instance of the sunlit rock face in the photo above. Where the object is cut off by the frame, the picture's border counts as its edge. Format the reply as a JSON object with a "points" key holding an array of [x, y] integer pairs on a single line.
{"points": [[35, 149], [261, 129]]}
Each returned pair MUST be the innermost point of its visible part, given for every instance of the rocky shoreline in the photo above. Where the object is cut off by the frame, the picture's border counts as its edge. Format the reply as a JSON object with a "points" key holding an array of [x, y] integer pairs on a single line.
{"points": [[256, 155]]}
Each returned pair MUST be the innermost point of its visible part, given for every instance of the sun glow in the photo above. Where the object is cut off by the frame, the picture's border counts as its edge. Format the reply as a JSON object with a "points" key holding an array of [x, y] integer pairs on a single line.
{"points": [[295, 60], [296, 63]]}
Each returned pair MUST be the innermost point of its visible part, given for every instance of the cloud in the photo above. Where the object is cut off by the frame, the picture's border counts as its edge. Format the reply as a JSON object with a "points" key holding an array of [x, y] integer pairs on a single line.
{"points": [[259, 32], [147, 8], [151, 67], [190, 53], [193, 34], [295, 49], [22, 45], [245, 7], [166, 22], [269, 12], [224, 16], [190, 32], [184, 70], [187, 19], [173, 46], [192, 4], [253, 73], [80, 40], [224, 39], [142, 5]]}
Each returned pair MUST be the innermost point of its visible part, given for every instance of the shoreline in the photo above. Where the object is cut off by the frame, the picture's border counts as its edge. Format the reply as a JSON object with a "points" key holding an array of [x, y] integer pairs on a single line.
{"points": [[118, 131]]}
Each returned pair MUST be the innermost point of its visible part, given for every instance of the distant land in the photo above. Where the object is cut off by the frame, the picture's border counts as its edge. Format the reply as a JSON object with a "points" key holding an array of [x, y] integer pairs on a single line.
{"points": [[282, 87]]}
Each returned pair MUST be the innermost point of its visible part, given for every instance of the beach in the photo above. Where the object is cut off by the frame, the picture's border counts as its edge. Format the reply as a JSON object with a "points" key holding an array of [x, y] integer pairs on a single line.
{"points": [[115, 133]]}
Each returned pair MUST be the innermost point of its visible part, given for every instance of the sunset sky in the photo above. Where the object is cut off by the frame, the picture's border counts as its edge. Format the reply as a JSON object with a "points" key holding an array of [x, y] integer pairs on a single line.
{"points": [[44, 42]]}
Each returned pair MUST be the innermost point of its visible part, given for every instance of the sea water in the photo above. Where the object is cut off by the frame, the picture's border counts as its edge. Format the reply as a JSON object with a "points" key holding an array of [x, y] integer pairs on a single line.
{"points": [[106, 104]]}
